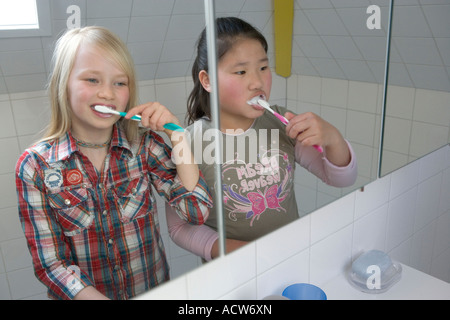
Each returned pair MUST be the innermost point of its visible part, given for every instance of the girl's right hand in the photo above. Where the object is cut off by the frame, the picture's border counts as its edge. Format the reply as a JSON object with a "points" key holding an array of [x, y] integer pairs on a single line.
{"points": [[154, 116]]}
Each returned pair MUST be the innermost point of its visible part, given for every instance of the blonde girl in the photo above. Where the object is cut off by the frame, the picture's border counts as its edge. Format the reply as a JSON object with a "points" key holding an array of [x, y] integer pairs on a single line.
{"points": [[85, 189]]}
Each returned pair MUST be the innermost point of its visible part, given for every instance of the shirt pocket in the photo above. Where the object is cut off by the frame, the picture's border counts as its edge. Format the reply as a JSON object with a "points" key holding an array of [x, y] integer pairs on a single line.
{"points": [[72, 209], [135, 198]]}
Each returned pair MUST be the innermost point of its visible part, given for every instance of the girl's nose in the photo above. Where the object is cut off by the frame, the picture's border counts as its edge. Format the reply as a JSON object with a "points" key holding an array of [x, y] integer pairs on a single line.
{"points": [[106, 92], [256, 82]]}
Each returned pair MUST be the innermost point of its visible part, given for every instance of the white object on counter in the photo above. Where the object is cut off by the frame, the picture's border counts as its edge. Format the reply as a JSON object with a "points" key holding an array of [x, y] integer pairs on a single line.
{"points": [[413, 285]]}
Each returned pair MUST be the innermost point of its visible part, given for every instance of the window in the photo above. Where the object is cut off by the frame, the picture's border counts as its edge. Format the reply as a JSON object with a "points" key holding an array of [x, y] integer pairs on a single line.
{"points": [[24, 18]]}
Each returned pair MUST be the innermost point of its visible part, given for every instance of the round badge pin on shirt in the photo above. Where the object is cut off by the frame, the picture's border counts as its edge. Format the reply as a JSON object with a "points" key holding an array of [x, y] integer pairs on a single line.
{"points": [[74, 177]]}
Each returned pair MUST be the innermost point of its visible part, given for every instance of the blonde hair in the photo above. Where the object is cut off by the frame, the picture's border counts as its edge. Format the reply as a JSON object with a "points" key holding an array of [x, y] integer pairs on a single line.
{"points": [[63, 60]]}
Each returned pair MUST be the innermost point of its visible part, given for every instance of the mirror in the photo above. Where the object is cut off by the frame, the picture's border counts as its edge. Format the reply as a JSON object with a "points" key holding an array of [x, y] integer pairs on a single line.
{"points": [[339, 53], [417, 117], [337, 72], [160, 35]]}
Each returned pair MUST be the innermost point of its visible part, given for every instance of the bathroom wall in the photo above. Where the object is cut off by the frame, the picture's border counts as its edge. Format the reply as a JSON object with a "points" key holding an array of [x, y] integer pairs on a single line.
{"points": [[406, 214], [417, 122]]}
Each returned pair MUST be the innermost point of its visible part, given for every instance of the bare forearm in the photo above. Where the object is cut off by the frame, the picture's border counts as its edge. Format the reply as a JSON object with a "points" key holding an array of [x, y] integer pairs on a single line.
{"points": [[182, 156]]}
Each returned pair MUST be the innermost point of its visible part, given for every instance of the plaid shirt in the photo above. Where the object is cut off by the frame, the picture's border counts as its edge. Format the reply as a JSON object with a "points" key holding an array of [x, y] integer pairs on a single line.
{"points": [[85, 227]]}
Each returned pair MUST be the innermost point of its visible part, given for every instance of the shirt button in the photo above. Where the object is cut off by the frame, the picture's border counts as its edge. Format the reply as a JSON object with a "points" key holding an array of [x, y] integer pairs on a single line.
{"points": [[100, 185], [116, 267], [105, 212], [133, 191], [67, 202], [111, 241]]}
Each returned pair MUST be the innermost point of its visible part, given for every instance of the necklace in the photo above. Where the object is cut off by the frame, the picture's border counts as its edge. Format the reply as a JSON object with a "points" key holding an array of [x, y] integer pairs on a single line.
{"points": [[92, 145]]}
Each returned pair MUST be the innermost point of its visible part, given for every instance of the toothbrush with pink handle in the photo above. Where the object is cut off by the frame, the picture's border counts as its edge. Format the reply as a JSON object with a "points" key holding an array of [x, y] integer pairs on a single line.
{"points": [[263, 103]]}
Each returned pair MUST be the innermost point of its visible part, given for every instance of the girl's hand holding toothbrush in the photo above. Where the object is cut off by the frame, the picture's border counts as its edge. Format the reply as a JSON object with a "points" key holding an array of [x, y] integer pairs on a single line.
{"points": [[157, 117], [154, 116], [310, 129]]}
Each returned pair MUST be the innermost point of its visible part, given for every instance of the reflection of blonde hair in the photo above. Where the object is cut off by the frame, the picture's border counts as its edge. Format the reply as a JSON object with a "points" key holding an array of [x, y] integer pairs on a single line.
{"points": [[63, 61]]}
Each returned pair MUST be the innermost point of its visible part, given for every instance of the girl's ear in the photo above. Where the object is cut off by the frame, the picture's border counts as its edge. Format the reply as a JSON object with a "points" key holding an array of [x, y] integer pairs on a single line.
{"points": [[204, 80]]}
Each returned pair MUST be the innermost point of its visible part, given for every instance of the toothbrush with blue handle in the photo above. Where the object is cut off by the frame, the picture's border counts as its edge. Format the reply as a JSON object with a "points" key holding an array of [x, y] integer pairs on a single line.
{"points": [[169, 126]]}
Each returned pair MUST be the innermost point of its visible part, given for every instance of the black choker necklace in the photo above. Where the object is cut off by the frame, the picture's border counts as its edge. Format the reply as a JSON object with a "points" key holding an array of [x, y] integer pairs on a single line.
{"points": [[92, 145]]}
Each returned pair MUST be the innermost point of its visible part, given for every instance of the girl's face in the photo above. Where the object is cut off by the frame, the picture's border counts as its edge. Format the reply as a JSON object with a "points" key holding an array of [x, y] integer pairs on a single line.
{"points": [[243, 73], [95, 80]]}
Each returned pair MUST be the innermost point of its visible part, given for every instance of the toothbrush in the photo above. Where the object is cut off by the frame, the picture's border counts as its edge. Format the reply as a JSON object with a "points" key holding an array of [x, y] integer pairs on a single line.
{"points": [[103, 109], [263, 103]]}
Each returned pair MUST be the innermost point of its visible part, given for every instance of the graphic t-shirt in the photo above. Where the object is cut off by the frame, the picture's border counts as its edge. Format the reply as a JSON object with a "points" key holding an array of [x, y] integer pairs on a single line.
{"points": [[257, 175]]}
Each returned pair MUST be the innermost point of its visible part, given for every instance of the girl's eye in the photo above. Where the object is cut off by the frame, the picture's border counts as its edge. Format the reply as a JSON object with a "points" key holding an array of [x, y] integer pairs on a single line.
{"points": [[264, 68], [240, 72], [92, 80], [121, 84]]}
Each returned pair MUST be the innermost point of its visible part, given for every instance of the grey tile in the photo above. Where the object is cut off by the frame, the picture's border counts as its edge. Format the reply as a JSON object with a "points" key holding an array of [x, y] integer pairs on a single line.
{"points": [[185, 27], [327, 68], [188, 7], [301, 65], [377, 68], [146, 72], [314, 4], [342, 47], [172, 52], [146, 52], [429, 77], [438, 18], [399, 76], [418, 50], [108, 8], [301, 24], [443, 45], [152, 7], [15, 63], [372, 48], [147, 29], [409, 21], [26, 83], [350, 3], [312, 46], [326, 22], [254, 5], [172, 69], [356, 70]]}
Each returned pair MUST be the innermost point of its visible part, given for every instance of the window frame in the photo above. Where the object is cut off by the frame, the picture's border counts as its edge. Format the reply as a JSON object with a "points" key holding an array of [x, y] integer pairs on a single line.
{"points": [[45, 24]]}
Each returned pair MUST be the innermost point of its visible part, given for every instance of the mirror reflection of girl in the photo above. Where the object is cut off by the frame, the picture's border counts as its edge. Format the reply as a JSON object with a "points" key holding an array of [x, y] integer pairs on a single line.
{"points": [[256, 202], [85, 190]]}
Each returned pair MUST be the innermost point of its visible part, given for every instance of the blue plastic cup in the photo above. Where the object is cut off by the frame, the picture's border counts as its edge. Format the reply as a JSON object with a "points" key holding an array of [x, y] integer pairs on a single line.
{"points": [[304, 291]]}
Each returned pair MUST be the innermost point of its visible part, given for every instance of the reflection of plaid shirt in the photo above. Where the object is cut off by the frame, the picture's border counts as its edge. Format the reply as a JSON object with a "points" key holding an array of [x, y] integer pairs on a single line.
{"points": [[101, 229]]}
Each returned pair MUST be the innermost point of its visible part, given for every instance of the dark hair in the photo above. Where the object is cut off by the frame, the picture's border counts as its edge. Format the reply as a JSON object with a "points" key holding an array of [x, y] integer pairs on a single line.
{"points": [[229, 30]]}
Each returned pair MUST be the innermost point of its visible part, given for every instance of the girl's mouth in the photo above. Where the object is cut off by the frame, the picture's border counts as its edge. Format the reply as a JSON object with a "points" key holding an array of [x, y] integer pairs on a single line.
{"points": [[101, 114], [254, 102]]}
